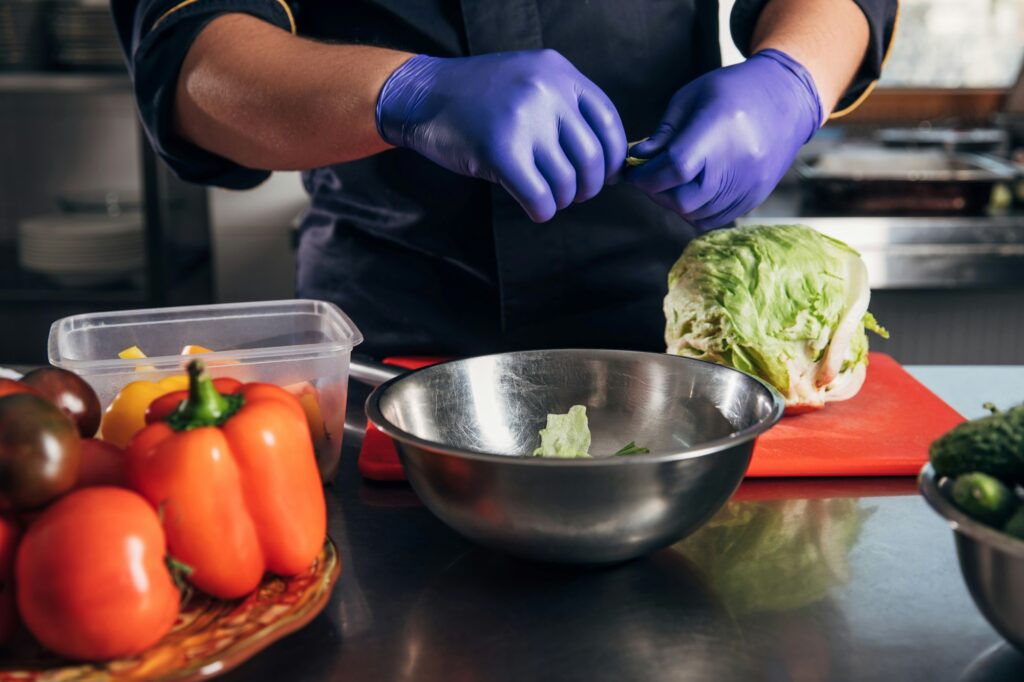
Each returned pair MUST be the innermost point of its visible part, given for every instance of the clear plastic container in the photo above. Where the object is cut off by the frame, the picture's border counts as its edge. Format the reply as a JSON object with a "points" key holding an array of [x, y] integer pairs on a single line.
{"points": [[302, 345]]}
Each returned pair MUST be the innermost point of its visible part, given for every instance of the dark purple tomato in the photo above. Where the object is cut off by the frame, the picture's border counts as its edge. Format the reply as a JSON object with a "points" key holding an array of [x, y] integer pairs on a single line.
{"points": [[39, 452], [71, 393]]}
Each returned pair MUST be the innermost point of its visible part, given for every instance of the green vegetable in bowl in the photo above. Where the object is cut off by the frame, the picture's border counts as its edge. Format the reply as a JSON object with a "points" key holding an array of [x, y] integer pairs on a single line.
{"points": [[568, 435], [782, 302], [630, 448], [984, 498], [985, 459], [993, 445], [1015, 526]]}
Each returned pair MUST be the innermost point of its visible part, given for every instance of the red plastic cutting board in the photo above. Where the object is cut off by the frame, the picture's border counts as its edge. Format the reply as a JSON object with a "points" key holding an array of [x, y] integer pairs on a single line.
{"points": [[884, 430], [378, 458]]}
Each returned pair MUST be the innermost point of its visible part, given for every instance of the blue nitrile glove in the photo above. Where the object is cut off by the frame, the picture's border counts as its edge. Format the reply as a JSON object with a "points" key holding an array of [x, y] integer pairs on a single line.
{"points": [[528, 121], [728, 138]]}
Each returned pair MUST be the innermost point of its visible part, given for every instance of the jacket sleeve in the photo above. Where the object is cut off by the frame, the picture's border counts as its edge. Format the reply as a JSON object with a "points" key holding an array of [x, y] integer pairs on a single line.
{"points": [[882, 16], [155, 36]]}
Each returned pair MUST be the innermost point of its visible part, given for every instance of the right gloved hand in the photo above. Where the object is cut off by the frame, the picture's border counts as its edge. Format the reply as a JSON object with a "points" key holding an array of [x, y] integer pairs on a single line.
{"points": [[528, 121]]}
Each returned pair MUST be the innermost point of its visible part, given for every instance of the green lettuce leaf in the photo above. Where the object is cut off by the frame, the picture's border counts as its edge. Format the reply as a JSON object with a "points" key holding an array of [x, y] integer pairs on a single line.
{"points": [[871, 324], [566, 435]]}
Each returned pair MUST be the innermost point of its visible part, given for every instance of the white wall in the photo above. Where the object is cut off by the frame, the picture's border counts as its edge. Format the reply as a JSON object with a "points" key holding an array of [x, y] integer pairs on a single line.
{"points": [[730, 55]]}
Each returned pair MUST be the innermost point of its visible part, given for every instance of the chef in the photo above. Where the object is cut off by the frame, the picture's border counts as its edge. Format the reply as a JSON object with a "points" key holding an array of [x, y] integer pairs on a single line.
{"points": [[465, 159]]}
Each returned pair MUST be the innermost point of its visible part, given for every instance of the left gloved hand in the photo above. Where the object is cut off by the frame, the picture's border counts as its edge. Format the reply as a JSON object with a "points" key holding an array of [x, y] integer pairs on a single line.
{"points": [[728, 138]]}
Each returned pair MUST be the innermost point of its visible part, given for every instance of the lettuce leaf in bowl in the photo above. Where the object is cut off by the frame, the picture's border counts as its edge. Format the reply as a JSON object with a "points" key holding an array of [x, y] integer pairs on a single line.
{"points": [[566, 435]]}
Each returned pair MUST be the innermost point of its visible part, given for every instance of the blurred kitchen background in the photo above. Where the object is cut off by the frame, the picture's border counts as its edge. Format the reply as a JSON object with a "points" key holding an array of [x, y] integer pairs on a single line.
{"points": [[926, 179]]}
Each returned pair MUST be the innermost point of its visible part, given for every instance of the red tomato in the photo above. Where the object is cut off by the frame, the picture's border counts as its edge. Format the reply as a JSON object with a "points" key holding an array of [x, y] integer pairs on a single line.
{"points": [[9, 534], [102, 463], [91, 579], [8, 386], [163, 406]]}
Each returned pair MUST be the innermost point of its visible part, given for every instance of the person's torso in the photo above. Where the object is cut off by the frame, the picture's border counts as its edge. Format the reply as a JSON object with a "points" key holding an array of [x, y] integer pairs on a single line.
{"points": [[428, 261]]}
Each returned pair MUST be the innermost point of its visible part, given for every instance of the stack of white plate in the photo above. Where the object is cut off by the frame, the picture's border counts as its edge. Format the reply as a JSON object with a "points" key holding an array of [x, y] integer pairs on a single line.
{"points": [[82, 249]]}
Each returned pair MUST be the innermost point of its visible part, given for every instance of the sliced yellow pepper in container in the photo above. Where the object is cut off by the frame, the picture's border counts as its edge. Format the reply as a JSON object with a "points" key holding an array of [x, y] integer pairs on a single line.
{"points": [[126, 414]]}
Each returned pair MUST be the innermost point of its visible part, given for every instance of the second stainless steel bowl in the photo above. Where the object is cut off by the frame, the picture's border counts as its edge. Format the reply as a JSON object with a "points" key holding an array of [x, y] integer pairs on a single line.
{"points": [[462, 427], [991, 561]]}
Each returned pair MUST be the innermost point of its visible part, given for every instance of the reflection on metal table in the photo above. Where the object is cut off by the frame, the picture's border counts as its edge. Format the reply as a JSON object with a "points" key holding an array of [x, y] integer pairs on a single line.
{"points": [[822, 579]]}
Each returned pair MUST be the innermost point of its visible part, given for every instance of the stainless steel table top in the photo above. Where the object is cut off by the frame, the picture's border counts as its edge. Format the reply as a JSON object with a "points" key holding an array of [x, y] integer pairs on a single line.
{"points": [[823, 579]]}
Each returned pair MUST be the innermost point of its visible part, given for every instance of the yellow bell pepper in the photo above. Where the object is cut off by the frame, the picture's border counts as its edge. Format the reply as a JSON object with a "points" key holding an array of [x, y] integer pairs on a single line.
{"points": [[126, 414]]}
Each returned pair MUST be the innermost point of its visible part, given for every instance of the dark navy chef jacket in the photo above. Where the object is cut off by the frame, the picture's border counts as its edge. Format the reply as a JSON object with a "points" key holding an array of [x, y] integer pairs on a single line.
{"points": [[426, 261]]}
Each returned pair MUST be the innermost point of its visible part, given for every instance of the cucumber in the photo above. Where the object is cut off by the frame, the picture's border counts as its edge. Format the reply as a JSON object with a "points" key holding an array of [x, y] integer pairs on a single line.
{"points": [[1015, 526], [993, 445], [984, 498]]}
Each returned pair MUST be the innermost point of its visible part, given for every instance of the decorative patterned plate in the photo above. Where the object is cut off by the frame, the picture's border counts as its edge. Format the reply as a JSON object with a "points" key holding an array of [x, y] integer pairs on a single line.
{"points": [[210, 637]]}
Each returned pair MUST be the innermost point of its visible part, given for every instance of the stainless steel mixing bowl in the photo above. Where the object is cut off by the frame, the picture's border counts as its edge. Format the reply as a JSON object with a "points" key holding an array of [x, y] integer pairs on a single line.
{"points": [[462, 427], [991, 562]]}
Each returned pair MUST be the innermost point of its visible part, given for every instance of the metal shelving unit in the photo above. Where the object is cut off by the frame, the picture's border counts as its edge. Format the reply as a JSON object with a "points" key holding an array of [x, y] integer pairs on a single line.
{"points": [[53, 82], [178, 261]]}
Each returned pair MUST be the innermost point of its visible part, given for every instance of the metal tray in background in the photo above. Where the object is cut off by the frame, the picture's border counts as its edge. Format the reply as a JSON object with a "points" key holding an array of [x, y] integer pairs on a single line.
{"points": [[976, 140], [868, 180]]}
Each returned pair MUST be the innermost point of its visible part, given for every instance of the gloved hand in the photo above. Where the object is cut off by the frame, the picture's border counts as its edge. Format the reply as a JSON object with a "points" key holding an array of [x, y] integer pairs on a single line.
{"points": [[728, 138], [528, 121]]}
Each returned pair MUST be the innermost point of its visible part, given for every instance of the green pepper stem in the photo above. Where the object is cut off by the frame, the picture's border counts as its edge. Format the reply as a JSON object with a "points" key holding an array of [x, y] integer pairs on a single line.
{"points": [[180, 573], [204, 406]]}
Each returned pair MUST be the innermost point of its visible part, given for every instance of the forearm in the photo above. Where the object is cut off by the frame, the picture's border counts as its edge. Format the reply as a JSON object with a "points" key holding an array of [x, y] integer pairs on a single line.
{"points": [[829, 37], [263, 98]]}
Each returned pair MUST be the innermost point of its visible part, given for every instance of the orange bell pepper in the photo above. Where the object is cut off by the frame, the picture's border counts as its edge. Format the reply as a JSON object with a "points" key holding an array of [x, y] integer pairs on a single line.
{"points": [[236, 482]]}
